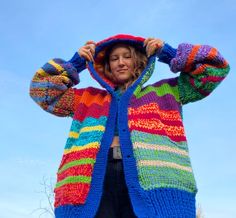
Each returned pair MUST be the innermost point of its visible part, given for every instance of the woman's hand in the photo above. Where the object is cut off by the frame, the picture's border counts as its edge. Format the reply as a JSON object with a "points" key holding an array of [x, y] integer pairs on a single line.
{"points": [[88, 50], [153, 45]]}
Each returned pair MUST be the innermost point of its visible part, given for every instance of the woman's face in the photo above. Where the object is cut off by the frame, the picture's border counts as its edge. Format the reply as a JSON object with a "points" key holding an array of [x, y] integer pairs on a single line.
{"points": [[121, 64]]}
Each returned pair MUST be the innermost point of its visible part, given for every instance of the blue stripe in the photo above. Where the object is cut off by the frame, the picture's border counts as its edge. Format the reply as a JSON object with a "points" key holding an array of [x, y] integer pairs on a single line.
{"points": [[163, 202], [48, 85], [50, 69]]}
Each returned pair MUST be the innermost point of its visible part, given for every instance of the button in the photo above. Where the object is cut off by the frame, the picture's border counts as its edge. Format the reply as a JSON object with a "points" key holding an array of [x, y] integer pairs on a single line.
{"points": [[128, 156], [123, 130]]}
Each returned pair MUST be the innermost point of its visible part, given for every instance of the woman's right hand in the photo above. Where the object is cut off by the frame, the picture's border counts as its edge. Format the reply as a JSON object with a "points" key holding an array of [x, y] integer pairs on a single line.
{"points": [[88, 50]]}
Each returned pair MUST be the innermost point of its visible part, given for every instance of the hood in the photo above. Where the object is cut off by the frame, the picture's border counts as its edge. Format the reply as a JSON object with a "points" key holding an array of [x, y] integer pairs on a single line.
{"points": [[97, 69]]}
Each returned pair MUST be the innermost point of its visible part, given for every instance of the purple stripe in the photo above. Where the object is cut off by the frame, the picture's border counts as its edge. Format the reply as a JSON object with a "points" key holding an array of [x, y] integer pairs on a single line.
{"points": [[202, 53], [178, 64], [171, 82], [166, 102]]}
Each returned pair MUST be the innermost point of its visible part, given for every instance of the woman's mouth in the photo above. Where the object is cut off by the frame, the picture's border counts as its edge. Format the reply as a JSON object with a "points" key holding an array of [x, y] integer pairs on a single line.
{"points": [[122, 70]]}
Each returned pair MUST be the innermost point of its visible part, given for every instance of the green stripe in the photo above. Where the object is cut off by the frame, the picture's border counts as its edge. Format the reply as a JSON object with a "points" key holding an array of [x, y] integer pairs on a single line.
{"points": [[77, 163], [188, 93], [160, 91], [74, 179], [137, 136], [164, 177], [150, 154]]}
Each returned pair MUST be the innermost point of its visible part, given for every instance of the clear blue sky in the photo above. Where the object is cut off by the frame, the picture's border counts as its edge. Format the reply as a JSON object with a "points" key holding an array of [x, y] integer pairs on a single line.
{"points": [[32, 141]]}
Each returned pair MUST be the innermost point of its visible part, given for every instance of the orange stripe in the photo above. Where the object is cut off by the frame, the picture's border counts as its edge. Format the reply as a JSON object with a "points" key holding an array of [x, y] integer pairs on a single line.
{"points": [[191, 57], [200, 69], [89, 99], [157, 125], [212, 54]]}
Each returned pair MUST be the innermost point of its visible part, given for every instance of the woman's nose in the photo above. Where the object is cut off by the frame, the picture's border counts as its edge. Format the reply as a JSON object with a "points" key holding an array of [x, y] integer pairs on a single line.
{"points": [[121, 61]]}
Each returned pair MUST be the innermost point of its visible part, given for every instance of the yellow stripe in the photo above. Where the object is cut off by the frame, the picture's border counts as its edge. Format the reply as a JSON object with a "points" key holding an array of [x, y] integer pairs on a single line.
{"points": [[79, 148], [42, 72], [160, 148], [73, 134], [163, 164], [92, 128], [57, 66], [86, 129]]}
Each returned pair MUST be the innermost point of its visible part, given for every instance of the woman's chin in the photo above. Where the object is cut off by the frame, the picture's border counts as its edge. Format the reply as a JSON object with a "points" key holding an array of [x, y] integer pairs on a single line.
{"points": [[122, 80]]}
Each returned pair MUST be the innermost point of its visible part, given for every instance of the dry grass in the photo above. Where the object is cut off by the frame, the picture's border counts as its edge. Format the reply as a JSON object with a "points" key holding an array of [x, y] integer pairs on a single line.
{"points": [[200, 212]]}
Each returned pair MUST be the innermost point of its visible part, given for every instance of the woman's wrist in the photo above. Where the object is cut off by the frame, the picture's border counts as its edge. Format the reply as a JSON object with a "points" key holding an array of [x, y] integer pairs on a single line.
{"points": [[78, 62], [160, 48], [166, 53]]}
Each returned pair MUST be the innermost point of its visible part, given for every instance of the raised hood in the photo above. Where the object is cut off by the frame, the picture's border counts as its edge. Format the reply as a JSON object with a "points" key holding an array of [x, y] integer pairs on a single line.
{"points": [[96, 69]]}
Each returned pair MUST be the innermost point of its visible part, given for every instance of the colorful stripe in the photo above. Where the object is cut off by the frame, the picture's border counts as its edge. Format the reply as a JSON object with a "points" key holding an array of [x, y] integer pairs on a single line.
{"points": [[160, 148], [163, 164]]}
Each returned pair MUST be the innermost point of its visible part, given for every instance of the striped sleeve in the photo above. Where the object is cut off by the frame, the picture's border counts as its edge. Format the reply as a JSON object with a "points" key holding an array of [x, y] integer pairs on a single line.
{"points": [[51, 87], [202, 69]]}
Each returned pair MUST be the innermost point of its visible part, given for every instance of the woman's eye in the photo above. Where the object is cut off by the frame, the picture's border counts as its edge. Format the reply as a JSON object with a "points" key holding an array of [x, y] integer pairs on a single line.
{"points": [[127, 56], [113, 58]]}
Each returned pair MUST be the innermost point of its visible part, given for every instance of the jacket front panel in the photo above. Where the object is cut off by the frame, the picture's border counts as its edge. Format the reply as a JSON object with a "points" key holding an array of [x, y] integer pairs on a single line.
{"points": [[83, 144], [158, 138]]}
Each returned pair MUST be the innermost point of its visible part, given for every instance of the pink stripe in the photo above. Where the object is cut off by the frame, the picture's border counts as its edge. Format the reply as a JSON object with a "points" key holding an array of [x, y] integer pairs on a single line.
{"points": [[212, 79]]}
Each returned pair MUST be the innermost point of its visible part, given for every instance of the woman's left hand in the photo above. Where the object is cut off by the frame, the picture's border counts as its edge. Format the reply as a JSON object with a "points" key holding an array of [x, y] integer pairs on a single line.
{"points": [[153, 45]]}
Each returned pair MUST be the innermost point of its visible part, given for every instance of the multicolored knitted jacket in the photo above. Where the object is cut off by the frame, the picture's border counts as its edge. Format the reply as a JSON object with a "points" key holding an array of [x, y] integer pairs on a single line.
{"points": [[155, 154]]}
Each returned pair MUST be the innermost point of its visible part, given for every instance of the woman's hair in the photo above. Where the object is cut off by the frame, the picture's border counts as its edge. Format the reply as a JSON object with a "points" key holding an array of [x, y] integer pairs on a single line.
{"points": [[140, 62]]}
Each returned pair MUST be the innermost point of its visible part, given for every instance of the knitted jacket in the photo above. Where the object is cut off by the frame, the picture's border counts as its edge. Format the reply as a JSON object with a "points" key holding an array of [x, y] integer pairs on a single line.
{"points": [[154, 148]]}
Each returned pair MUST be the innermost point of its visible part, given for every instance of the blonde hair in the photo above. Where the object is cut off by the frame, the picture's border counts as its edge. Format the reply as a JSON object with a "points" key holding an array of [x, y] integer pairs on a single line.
{"points": [[140, 62]]}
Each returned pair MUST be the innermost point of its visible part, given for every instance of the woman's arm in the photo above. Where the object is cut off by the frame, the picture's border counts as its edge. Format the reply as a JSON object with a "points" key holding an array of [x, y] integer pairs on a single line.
{"points": [[202, 69], [51, 86]]}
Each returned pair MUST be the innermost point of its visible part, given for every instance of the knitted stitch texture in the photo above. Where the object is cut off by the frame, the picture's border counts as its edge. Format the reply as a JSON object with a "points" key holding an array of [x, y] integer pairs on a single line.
{"points": [[154, 148]]}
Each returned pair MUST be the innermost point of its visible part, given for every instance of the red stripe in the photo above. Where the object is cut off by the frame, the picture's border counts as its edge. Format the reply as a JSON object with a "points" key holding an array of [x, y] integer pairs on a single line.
{"points": [[94, 110], [177, 138], [77, 155], [74, 193], [154, 115], [211, 79], [122, 36], [80, 170]]}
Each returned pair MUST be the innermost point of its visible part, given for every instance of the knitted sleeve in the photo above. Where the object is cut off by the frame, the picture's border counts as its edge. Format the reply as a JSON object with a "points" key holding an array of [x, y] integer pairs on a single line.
{"points": [[51, 86], [202, 69]]}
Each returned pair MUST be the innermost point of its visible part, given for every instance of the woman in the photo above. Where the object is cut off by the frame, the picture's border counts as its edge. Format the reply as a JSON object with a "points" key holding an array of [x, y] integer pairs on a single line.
{"points": [[126, 154]]}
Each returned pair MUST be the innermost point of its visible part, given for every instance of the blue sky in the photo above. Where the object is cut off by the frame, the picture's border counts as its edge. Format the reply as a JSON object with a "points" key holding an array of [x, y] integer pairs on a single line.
{"points": [[32, 141]]}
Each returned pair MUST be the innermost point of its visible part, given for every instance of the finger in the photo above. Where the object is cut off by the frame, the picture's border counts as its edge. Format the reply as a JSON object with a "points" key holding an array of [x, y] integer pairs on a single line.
{"points": [[154, 45], [90, 42], [90, 55], [90, 47], [148, 49], [147, 40], [85, 53], [85, 56]]}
